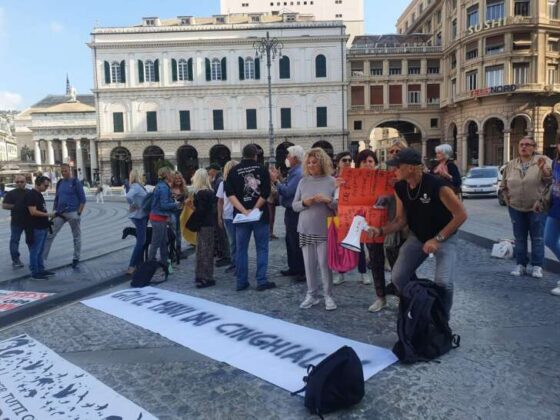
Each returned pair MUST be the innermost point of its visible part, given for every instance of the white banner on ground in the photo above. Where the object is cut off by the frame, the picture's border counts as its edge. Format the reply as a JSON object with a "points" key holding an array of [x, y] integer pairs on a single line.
{"points": [[37, 384], [271, 349]]}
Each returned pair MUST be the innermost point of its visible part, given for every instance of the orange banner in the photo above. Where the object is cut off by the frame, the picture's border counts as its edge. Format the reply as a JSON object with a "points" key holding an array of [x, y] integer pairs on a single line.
{"points": [[363, 193]]}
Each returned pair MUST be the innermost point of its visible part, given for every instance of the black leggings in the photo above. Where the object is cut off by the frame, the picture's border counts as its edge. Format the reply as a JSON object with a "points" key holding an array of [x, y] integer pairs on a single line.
{"points": [[377, 264]]}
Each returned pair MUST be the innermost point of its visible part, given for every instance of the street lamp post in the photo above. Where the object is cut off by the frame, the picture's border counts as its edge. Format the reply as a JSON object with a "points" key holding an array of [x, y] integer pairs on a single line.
{"points": [[269, 47]]}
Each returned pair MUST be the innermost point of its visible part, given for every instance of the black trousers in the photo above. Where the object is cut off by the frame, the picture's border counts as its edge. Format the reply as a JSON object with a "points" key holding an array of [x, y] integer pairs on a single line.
{"points": [[295, 257], [377, 265]]}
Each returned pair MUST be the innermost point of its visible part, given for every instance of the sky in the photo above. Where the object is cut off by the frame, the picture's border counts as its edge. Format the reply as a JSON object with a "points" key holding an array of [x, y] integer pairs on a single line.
{"points": [[43, 40]]}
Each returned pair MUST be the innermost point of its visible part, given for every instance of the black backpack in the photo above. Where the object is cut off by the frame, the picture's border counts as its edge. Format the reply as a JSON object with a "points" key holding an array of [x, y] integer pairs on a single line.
{"points": [[423, 326], [337, 382], [147, 202], [143, 275]]}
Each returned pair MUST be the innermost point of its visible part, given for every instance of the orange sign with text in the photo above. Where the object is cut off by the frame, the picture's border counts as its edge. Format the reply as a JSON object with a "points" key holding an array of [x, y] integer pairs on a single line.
{"points": [[365, 192]]}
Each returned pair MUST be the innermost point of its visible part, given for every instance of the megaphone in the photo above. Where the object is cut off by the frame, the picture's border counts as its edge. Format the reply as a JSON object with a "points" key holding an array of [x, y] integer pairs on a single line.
{"points": [[352, 240]]}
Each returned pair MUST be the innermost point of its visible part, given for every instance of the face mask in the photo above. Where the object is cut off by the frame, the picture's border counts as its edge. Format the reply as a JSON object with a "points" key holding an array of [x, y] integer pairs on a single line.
{"points": [[287, 163]]}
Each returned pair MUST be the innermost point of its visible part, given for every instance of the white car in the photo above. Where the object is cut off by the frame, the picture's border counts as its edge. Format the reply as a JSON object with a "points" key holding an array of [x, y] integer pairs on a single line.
{"points": [[481, 182]]}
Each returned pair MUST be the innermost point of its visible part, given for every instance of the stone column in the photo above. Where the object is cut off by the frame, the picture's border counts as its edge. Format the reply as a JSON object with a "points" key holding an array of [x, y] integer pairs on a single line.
{"points": [[462, 143], [37, 152], [50, 152], [480, 149], [507, 146], [424, 149], [64, 148], [80, 160], [93, 156]]}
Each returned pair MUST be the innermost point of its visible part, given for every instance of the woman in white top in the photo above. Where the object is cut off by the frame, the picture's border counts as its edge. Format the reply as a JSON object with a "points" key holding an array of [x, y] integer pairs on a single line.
{"points": [[225, 214]]}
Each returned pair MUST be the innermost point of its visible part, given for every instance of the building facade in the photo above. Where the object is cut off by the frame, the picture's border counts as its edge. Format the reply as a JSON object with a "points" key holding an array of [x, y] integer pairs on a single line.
{"points": [[497, 76], [351, 12], [8, 144], [191, 91]]}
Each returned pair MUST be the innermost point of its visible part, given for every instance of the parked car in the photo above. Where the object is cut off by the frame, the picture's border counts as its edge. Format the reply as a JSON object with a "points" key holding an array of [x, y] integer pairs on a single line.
{"points": [[481, 182], [501, 195]]}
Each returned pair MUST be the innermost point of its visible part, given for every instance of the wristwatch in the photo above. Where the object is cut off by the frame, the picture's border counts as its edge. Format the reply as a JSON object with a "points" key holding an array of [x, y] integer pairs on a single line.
{"points": [[440, 238]]}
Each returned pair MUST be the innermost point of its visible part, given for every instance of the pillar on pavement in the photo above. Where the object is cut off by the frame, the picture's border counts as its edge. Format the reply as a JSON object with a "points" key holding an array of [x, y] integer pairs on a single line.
{"points": [[80, 160], [50, 152], [480, 149], [64, 147], [93, 156], [507, 146], [38, 153]]}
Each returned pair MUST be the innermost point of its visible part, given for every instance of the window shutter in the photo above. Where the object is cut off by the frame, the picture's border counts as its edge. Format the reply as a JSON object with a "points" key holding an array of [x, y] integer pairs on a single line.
{"points": [[208, 70], [241, 69], [257, 68], [190, 69], [107, 72], [174, 69], [156, 70], [320, 66], [224, 69], [123, 72], [140, 71]]}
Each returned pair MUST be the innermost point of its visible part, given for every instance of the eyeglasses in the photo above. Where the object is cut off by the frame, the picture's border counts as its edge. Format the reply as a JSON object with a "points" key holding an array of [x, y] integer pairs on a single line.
{"points": [[527, 145], [394, 152], [346, 160], [20, 182]]}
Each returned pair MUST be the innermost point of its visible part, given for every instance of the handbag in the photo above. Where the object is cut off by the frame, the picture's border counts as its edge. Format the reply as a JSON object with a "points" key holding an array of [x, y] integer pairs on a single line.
{"points": [[194, 223], [503, 249], [340, 259]]}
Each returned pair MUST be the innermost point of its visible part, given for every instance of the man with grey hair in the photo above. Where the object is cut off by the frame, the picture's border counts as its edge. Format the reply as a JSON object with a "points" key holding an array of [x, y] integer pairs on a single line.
{"points": [[286, 192]]}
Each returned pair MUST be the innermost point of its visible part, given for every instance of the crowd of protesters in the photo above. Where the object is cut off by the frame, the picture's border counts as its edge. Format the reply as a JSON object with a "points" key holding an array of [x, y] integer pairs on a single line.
{"points": [[424, 215]]}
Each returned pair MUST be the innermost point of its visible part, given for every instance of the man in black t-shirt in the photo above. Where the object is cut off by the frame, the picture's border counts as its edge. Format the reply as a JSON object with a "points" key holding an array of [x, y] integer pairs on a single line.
{"points": [[13, 201], [433, 213], [248, 187], [38, 223]]}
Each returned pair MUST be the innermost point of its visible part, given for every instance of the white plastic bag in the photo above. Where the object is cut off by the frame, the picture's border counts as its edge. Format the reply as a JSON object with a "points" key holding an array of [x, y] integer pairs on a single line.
{"points": [[503, 249]]}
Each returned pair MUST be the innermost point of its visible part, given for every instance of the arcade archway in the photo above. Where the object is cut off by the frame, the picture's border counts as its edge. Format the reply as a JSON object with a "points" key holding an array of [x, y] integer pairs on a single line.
{"points": [[121, 165], [220, 154], [152, 156], [326, 146], [550, 134], [187, 161], [494, 142]]}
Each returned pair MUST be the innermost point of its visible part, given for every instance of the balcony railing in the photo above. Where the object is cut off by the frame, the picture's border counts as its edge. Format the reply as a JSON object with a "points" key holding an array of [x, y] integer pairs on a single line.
{"points": [[381, 50]]}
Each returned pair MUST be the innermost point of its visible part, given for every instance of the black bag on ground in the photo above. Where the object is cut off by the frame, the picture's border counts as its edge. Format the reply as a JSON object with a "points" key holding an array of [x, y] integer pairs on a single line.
{"points": [[423, 326], [143, 275], [335, 383]]}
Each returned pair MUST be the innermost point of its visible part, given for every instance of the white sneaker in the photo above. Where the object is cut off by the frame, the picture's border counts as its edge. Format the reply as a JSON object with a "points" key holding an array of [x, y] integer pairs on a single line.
{"points": [[339, 279], [329, 303], [518, 271], [309, 302], [379, 304], [556, 290], [366, 279], [537, 272]]}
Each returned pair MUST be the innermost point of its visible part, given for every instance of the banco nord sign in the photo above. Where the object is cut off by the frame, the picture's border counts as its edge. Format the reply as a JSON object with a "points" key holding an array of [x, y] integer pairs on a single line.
{"points": [[479, 27], [477, 93]]}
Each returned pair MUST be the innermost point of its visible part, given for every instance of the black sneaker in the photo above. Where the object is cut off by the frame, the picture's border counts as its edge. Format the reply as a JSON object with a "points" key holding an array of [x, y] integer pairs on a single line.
{"points": [[48, 273], [75, 263], [39, 276], [241, 288], [17, 264], [266, 286], [230, 269], [222, 262]]}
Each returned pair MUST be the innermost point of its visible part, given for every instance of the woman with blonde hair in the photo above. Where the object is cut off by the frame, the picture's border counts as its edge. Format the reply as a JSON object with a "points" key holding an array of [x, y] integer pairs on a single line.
{"points": [[135, 197], [204, 216], [314, 203], [179, 193], [225, 214]]}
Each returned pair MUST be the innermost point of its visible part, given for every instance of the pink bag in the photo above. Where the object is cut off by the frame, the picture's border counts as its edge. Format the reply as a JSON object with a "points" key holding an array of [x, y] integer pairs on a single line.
{"points": [[340, 260]]}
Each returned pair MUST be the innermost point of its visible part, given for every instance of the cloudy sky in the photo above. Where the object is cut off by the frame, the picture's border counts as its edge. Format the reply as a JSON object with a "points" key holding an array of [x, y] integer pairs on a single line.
{"points": [[43, 40]]}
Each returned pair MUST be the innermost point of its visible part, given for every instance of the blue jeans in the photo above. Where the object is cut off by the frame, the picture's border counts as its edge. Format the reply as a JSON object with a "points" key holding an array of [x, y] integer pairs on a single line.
{"points": [[15, 236], [230, 230], [525, 223], [159, 241], [243, 235], [137, 253], [36, 264], [411, 256], [552, 235]]}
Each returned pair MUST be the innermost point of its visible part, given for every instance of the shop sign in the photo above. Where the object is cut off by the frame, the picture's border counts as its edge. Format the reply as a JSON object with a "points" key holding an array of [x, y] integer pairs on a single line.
{"points": [[494, 23], [477, 93]]}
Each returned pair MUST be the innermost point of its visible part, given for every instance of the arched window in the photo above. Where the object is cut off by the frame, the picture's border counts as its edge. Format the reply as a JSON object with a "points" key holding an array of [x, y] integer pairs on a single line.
{"points": [[249, 68], [116, 75], [149, 71], [216, 69], [285, 67], [320, 66], [183, 69]]}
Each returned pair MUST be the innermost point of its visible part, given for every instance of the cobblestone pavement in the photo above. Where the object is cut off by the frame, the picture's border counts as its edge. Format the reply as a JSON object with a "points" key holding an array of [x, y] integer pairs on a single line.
{"points": [[506, 368]]}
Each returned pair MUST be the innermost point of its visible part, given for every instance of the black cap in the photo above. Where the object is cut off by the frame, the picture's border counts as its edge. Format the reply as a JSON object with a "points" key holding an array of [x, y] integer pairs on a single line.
{"points": [[214, 166], [408, 156]]}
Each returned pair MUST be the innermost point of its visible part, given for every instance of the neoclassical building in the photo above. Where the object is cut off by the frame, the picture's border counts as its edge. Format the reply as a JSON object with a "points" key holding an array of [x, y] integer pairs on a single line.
{"points": [[8, 144], [495, 64], [192, 90]]}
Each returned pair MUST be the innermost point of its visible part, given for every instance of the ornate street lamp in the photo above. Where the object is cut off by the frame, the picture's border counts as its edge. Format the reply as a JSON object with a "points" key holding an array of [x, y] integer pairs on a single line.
{"points": [[271, 48]]}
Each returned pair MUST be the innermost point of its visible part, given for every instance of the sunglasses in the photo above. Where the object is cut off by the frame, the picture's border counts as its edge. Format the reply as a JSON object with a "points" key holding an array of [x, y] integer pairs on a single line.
{"points": [[20, 182], [394, 152], [346, 160], [527, 145]]}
